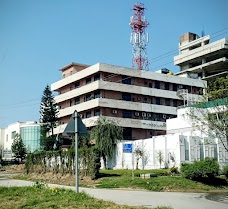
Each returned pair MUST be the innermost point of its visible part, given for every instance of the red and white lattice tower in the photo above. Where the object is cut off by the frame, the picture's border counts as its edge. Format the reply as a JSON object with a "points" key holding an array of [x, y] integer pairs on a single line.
{"points": [[139, 38]]}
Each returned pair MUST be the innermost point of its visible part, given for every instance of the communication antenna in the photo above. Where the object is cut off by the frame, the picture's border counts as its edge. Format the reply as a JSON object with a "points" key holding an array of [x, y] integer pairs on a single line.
{"points": [[203, 32], [139, 38]]}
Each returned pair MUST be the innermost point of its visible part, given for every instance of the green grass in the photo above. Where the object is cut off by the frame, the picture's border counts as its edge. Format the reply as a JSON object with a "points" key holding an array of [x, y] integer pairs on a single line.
{"points": [[40, 198], [122, 179], [164, 182], [160, 172]]}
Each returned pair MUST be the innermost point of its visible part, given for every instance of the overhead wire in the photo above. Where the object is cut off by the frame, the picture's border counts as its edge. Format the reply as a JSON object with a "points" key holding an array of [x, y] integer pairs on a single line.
{"points": [[160, 57]]}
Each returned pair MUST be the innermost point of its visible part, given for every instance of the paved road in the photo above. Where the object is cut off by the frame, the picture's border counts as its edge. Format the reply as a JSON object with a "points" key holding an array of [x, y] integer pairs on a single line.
{"points": [[176, 200]]}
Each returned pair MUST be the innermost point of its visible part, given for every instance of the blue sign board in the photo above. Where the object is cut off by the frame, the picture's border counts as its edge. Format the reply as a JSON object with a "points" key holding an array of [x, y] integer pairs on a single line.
{"points": [[127, 148]]}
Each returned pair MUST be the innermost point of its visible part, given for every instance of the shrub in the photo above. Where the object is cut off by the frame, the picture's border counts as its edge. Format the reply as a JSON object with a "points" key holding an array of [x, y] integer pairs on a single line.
{"points": [[200, 169], [225, 171], [174, 170]]}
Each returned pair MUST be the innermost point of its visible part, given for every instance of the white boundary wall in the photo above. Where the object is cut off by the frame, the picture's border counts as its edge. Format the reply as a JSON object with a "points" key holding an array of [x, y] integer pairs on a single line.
{"points": [[183, 148]]}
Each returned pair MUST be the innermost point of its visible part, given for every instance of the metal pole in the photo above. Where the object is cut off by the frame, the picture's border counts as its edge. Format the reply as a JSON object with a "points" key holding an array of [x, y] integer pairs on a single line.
{"points": [[132, 154], [76, 151]]}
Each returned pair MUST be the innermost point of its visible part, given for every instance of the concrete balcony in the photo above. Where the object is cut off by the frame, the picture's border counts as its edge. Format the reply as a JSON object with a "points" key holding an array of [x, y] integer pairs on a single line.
{"points": [[119, 87], [202, 51], [117, 104], [123, 122]]}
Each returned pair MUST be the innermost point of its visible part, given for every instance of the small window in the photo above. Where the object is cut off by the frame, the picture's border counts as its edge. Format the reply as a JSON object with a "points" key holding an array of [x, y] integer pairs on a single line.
{"points": [[126, 80], [13, 134], [174, 87], [88, 114], [96, 77], [77, 84], [167, 102], [88, 97], [157, 100], [127, 114], [97, 112], [174, 103], [126, 96], [97, 94], [88, 80], [77, 101], [157, 84], [166, 86], [150, 85]]}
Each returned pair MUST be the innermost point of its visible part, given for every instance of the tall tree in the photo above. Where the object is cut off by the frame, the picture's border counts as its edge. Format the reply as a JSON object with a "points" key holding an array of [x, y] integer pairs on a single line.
{"points": [[18, 147], [48, 118], [210, 115], [107, 133]]}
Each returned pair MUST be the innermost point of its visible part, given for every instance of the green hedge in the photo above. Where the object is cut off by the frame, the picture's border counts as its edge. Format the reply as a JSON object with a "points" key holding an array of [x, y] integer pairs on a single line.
{"points": [[207, 168], [225, 171]]}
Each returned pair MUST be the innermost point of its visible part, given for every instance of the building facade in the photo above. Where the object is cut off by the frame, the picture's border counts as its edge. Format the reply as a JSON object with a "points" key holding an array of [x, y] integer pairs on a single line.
{"points": [[198, 58], [139, 101], [29, 132]]}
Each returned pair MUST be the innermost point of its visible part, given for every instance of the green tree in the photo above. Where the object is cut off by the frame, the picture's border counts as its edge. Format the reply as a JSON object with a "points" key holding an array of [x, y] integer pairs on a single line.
{"points": [[48, 119], [210, 115], [106, 133], [18, 147]]}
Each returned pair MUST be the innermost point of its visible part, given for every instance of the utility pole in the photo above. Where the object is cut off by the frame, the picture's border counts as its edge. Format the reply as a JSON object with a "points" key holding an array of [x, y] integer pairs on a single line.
{"points": [[76, 151]]}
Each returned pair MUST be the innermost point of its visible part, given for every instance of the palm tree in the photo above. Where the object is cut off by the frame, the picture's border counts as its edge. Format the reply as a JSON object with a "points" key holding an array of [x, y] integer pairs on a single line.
{"points": [[107, 133]]}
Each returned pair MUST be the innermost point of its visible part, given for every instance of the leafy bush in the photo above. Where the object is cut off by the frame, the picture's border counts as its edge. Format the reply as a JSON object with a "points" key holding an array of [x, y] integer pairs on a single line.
{"points": [[200, 169], [225, 171]]}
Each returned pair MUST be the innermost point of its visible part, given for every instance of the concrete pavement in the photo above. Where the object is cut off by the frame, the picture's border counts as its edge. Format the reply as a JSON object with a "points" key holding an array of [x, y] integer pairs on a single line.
{"points": [[176, 200]]}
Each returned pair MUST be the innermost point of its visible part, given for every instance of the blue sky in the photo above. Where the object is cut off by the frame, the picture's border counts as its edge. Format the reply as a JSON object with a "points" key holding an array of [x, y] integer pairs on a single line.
{"points": [[38, 37]]}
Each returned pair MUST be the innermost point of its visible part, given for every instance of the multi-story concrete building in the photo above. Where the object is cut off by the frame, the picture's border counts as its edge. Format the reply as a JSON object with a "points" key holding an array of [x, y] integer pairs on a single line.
{"points": [[29, 132], [198, 58], [140, 101]]}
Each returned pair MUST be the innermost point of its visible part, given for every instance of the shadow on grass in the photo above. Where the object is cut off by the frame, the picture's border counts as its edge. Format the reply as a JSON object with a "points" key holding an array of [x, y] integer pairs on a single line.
{"points": [[216, 182], [101, 175]]}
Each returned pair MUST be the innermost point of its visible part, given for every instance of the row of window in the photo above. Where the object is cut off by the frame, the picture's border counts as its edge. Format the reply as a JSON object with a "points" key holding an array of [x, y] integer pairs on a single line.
{"points": [[128, 80], [129, 97], [153, 100], [159, 85]]}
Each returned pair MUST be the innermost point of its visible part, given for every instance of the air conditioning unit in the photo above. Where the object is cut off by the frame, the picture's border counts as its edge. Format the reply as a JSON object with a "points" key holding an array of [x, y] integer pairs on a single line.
{"points": [[114, 111], [144, 114], [137, 114], [164, 116], [180, 86], [149, 115], [139, 98]]}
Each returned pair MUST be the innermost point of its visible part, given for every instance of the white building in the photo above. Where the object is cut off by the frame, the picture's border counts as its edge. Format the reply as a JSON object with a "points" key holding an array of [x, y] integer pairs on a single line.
{"points": [[198, 58], [139, 101], [29, 132], [2, 130], [182, 144]]}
